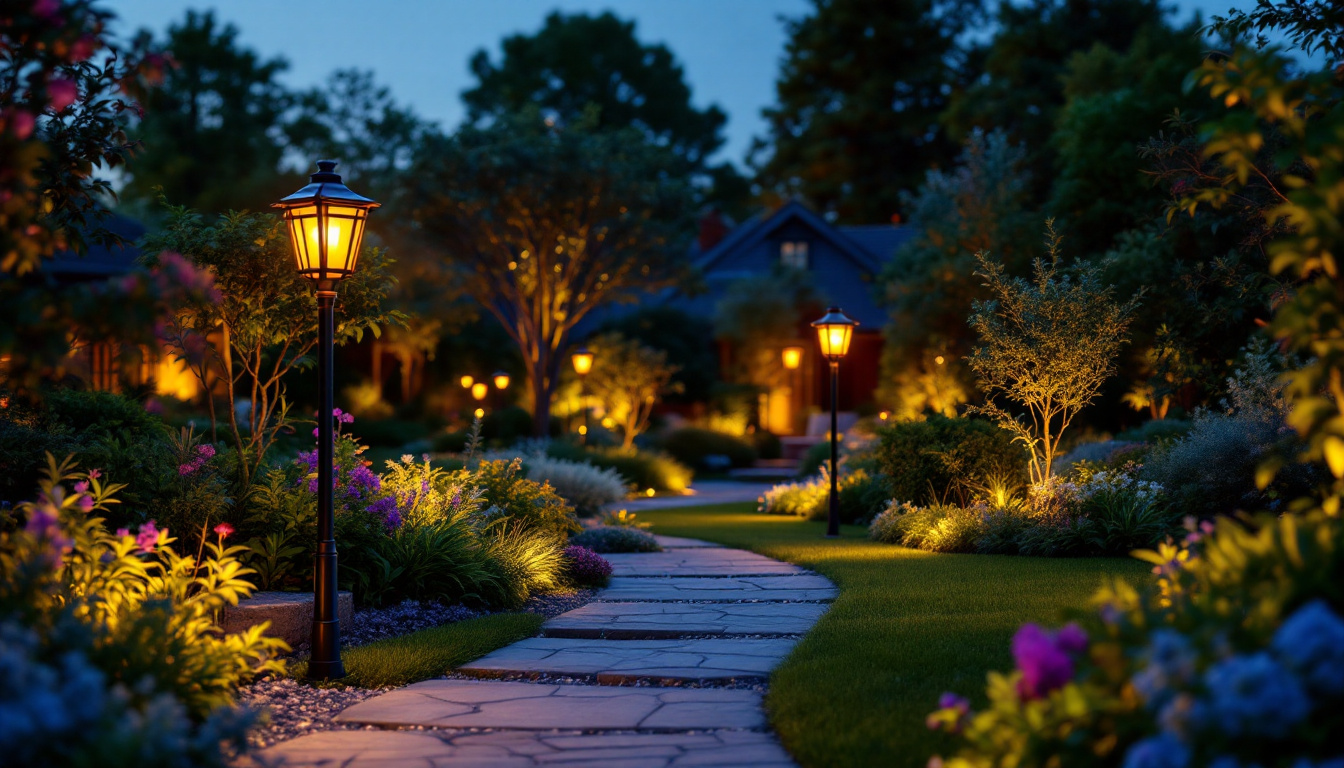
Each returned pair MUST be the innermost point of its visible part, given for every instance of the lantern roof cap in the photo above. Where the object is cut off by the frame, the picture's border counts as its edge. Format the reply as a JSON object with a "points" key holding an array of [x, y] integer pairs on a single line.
{"points": [[834, 316], [326, 186]]}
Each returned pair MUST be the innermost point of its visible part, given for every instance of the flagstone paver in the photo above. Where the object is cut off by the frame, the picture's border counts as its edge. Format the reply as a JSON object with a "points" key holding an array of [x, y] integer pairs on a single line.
{"points": [[534, 706], [677, 542], [699, 562], [647, 626], [523, 749], [803, 587], [626, 661], [635, 621]]}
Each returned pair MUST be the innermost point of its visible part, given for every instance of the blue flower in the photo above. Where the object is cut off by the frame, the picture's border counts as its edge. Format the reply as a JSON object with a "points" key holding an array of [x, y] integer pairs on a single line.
{"points": [[1171, 663], [1311, 643], [1255, 696], [1162, 751]]}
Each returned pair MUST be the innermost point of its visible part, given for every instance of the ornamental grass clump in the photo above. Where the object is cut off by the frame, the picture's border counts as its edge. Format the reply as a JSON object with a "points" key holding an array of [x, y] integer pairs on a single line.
{"points": [[586, 568], [586, 487], [1234, 656], [861, 496], [613, 539], [109, 649]]}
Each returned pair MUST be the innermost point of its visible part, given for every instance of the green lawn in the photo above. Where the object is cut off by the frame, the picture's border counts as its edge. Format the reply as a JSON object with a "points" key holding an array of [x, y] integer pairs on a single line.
{"points": [[907, 626], [430, 652]]}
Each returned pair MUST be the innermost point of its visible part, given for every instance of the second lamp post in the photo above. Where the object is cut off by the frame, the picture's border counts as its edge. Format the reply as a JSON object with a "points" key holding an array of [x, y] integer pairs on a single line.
{"points": [[834, 332], [326, 227], [583, 363]]}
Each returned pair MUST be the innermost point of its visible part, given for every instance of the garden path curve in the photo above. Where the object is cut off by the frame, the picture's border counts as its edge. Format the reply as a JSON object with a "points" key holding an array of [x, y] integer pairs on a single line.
{"points": [[664, 668]]}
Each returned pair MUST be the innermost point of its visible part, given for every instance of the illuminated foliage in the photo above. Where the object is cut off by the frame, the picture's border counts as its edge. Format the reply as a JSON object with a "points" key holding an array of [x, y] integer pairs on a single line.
{"points": [[1048, 345], [629, 379], [546, 223]]}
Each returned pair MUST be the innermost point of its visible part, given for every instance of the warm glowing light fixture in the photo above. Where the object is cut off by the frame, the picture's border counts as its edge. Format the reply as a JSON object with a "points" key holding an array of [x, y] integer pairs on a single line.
{"points": [[939, 360], [884, 415], [501, 380], [793, 357], [479, 390], [583, 361], [326, 225], [480, 413], [834, 332], [466, 382]]}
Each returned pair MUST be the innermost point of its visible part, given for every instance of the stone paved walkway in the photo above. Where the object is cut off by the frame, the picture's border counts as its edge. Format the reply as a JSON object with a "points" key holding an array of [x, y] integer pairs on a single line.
{"points": [[603, 685]]}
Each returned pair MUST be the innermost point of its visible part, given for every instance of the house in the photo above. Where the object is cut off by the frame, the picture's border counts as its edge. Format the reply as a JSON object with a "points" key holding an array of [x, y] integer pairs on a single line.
{"points": [[843, 264]]}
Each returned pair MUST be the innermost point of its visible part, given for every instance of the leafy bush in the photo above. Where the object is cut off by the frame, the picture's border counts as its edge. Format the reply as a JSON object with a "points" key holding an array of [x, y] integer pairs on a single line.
{"points": [[861, 496], [612, 539], [1234, 656], [108, 645], [937, 528], [696, 447], [586, 568], [938, 457], [586, 487], [624, 519], [507, 495]]}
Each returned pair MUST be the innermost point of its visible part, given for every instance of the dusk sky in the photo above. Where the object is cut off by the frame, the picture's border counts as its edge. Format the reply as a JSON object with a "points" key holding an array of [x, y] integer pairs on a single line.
{"points": [[730, 48]]}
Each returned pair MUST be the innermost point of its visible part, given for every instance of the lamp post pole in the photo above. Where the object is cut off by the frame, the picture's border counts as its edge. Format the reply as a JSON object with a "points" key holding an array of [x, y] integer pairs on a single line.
{"points": [[326, 222], [833, 517], [834, 332], [325, 663]]}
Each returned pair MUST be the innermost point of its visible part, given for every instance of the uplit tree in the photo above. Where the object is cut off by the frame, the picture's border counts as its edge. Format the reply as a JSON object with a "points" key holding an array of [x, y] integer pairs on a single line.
{"points": [[262, 324], [547, 223], [629, 379], [1046, 344]]}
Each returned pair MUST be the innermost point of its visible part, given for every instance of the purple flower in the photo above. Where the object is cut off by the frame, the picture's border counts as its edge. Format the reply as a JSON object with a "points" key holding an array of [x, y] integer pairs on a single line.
{"points": [[206, 451], [82, 486], [386, 508], [1071, 638], [148, 537], [951, 700], [1045, 665], [586, 566], [85, 503], [123, 533]]}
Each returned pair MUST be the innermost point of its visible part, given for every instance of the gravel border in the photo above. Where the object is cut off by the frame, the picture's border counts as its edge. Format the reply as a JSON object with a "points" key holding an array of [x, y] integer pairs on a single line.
{"points": [[294, 708]]}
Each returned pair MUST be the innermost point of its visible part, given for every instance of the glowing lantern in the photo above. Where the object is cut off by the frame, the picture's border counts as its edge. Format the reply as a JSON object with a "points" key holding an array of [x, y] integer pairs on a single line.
{"points": [[480, 413], [793, 357], [326, 225], [834, 332], [583, 361], [466, 382], [479, 390], [501, 380]]}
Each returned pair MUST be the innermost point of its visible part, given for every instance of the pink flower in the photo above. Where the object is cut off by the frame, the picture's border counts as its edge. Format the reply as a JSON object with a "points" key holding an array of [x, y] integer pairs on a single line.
{"points": [[83, 48], [123, 533], [206, 451], [82, 486], [63, 93], [94, 474], [223, 529], [1071, 638], [85, 504], [148, 537], [21, 124], [1044, 664]]}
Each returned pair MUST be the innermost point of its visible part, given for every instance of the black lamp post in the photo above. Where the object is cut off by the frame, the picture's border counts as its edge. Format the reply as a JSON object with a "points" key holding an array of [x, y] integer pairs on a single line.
{"points": [[834, 332], [326, 225], [583, 363]]}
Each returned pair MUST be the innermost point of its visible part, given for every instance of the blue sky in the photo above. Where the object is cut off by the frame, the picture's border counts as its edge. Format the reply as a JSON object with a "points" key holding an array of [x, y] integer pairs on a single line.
{"points": [[730, 49]]}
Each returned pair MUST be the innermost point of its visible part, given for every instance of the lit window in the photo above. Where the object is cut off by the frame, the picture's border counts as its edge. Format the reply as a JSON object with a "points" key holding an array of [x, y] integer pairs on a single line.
{"points": [[793, 254]]}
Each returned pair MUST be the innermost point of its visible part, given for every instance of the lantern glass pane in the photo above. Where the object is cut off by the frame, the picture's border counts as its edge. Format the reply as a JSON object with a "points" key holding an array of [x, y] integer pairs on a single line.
{"points": [[793, 357], [306, 255], [583, 362]]}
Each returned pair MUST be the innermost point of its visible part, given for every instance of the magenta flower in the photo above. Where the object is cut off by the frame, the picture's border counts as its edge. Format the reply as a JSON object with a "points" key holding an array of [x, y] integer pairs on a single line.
{"points": [[1071, 638], [148, 537], [1044, 664], [63, 93], [94, 474], [85, 504], [82, 486], [223, 529], [21, 124], [123, 533]]}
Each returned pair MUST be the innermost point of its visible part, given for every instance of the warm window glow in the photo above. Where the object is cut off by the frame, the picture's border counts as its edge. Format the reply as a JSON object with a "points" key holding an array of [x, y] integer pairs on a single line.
{"points": [[583, 362], [479, 390], [793, 357], [501, 381], [172, 377], [467, 381]]}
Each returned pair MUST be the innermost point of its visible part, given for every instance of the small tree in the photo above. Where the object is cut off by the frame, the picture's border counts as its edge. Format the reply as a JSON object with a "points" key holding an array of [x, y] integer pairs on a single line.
{"points": [[263, 324], [629, 379], [1047, 344]]}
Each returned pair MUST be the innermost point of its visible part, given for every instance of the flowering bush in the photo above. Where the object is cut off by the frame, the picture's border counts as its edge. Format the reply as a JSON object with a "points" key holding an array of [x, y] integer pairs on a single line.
{"points": [[586, 568], [612, 539], [861, 495], [108, 644], [624, 518], [1235, 656]]}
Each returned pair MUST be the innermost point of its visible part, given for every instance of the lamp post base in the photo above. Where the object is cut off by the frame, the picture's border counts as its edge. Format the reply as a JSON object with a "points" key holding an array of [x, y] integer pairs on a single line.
{"points": [[326, 670]]}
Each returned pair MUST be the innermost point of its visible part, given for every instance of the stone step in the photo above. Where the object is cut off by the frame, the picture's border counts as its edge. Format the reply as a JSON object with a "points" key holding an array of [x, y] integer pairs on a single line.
{"points": [[524, 749], [652, 621], [536, 706], [622, 662], [719, 561], [290, 614], [677, 542], [683, 588]]}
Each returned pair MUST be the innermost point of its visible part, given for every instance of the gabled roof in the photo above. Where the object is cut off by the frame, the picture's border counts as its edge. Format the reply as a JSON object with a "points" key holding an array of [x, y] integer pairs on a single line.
{"points": [[881, 240], [756, 229]]}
